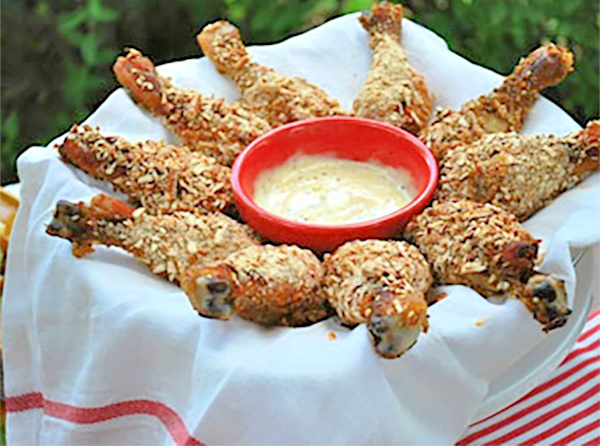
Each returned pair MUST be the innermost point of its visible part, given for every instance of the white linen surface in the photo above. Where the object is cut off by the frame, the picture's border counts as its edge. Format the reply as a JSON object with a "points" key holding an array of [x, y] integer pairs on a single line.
{"points": [[100, 330]]}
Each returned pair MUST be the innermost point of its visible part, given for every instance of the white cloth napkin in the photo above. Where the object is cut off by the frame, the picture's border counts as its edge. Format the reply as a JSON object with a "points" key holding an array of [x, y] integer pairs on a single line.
{"points": [[103, 331]]}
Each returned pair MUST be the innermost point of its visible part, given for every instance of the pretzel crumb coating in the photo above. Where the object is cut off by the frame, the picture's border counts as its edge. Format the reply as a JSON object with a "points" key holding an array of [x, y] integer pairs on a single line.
{"points": [[276, 98], [519, 173], [394, 91], [205, 124], [167, 244], [160, 177], [504, 109], [383, 284], [483, 247], [269, 285]]}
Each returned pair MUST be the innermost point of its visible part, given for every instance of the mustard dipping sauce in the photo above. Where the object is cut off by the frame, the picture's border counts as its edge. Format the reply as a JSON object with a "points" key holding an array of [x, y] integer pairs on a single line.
{"points": [[328, 190]]}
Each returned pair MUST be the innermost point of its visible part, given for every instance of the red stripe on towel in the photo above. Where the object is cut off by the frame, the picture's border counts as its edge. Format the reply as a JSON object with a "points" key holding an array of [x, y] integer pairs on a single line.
{"points": [[89, 415], [554, 397]]}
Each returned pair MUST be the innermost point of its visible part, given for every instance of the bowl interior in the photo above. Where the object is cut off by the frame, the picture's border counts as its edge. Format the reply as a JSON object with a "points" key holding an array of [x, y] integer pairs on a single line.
{"points": [[349, 138]]}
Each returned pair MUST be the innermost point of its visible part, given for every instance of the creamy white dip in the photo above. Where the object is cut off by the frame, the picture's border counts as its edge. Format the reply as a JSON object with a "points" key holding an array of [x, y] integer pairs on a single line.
{"points": [[328, 190]]}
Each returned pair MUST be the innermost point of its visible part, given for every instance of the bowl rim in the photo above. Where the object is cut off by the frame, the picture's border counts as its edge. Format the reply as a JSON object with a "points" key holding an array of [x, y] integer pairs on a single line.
{"points": [[419, 200]]}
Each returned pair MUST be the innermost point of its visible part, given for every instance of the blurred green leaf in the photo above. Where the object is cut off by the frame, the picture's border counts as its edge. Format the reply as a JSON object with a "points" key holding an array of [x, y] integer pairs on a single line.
{"points": [[89, 49], [42, 9], [235, 10], [355, 5], [499, 14], [79, 82], [98, 13], [8, 150], [105, 56], [68, 23], [10, 127]]}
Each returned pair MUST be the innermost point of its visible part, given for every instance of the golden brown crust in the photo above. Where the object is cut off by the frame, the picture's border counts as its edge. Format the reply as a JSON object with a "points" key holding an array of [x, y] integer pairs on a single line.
{"points": [[276, 98], [269, 285], [465, 243], [505, 108], [385, 18], [394, 92], [278, 285], [518, 173], [483, 247], [222, 44], [204, 124], [358, 271], [78, 222], [160, 177], [167, 244], [383, 284], [585, 157]]}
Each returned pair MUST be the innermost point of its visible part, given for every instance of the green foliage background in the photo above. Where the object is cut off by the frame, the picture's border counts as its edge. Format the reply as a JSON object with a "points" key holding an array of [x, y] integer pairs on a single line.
{"points": [[57, 55]]}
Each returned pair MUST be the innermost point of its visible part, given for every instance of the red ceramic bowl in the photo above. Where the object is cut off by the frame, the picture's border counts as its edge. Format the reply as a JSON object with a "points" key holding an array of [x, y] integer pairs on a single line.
{"points": [[355, 139]]}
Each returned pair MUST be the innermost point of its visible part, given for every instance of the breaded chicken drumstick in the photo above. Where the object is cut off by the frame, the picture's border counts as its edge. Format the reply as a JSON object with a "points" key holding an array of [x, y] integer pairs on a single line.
{"points": [[167, 244], [205, 124], [505, 108], [269, 285], [394, 92], [160, 177], [485, 248], [276, 98], [519, 173], [383, 284]]}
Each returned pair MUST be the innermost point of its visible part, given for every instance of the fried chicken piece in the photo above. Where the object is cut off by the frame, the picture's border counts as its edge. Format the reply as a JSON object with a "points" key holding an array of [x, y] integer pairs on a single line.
{"points": [[518, 173], [505, 108], [483, 247], [269, 285], [160, 177], [383, 284], [276, 98], [394, 92], [205, 124], [167, 244]]}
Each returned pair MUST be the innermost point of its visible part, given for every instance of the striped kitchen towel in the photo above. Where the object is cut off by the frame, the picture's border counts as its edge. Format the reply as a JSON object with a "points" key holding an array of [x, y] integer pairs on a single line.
{"points": [[564, 410]]}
